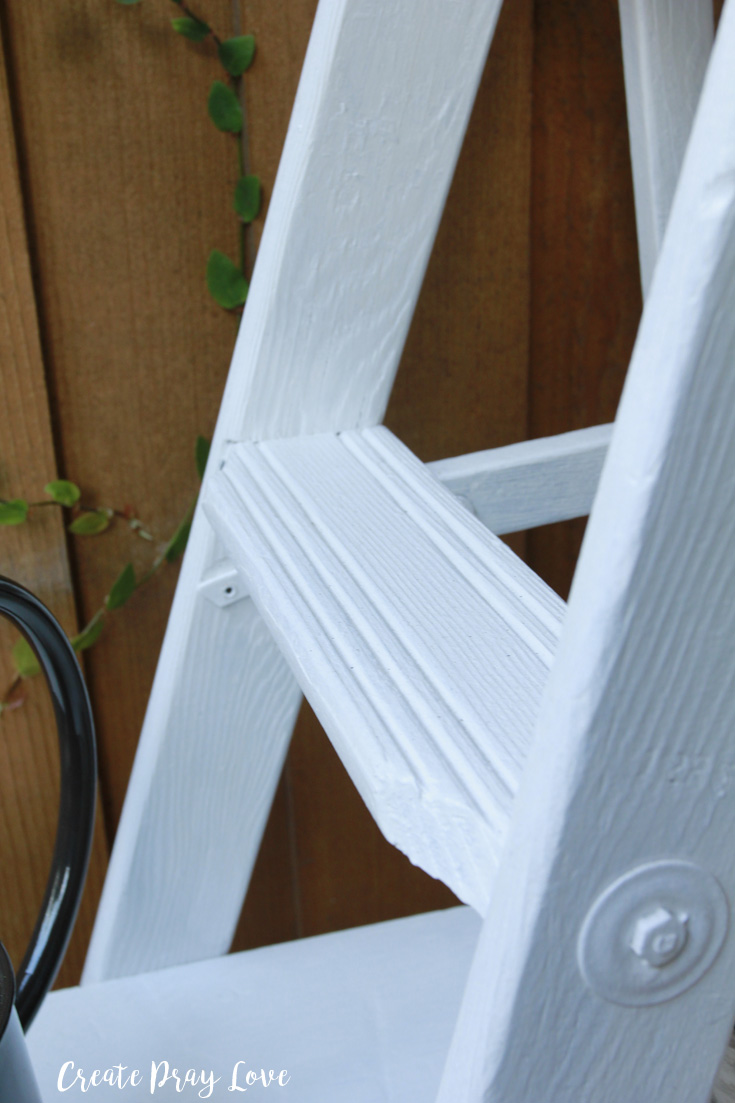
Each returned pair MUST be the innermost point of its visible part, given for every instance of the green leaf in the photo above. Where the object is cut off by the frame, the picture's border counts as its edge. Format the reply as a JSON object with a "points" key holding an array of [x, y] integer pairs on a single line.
{"points": [[224, 108], [128, 2], [177, 543], [247, 197], [89, 634], [89, 524], [201, 454], [63, 492], [24, 658], [13, 513], [193, 29], [236, 54], [225, 281], [122, 588]]}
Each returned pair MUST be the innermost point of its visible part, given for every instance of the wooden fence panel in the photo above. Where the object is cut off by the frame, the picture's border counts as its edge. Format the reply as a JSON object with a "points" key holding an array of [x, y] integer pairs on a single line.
{"points": [[35, 555], [127, 186], [585, 286]]}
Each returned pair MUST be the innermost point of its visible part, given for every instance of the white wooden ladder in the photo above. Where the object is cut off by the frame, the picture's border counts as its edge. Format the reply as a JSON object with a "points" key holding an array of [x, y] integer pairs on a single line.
{"points": [[567, 771]]}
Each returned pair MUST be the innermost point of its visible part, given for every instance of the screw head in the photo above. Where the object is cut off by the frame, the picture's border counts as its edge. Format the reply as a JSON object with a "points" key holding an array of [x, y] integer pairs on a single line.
{"points": [[653, 933], [659, 936]]}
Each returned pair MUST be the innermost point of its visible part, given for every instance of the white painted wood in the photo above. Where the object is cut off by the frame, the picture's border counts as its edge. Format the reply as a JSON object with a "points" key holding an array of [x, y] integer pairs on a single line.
{"points": [[724, 1086], [199, 797], [376, 129], [630, 761], [535, 482], [377, 126], [355, 1017], [666, 47], [421, 641], [633, 758]]}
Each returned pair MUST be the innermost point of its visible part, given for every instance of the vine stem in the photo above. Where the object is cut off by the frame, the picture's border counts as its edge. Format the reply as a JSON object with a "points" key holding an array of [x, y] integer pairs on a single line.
{"points": [[124, 515], [161, 557], [135, 524], [246, 264], [6, 704], [242, 166]]}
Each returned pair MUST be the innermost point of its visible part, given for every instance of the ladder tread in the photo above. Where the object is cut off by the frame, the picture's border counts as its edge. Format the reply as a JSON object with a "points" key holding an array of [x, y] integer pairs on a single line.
{"points": [[420, 639]]}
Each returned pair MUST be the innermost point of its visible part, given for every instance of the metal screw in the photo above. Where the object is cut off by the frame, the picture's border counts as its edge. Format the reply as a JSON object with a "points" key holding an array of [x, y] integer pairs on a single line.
{"points": [[659, 936]]}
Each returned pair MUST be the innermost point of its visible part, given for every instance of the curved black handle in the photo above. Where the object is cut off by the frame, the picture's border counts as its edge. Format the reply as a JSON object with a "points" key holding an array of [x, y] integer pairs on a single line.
{"points": [[76, 807]]}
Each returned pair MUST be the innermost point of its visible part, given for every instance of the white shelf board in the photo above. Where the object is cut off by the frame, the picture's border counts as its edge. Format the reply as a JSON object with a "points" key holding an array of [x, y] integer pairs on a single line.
{"points": [[363, 1016], [420, 639]]}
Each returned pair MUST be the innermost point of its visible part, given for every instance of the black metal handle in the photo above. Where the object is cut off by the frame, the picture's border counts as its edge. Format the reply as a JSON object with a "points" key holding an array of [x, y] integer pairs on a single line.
{"points": [[76, 806]]}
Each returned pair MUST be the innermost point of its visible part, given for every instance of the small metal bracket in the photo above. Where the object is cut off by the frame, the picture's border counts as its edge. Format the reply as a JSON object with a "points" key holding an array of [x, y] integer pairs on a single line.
{"points": [[222, 584], [653, 933]]}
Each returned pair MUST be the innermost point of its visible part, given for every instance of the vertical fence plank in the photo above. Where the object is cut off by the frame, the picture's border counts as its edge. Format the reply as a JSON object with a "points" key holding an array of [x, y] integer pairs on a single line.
{"points": [[462, 385], [129, 186], [35, 555], [585, 299]]}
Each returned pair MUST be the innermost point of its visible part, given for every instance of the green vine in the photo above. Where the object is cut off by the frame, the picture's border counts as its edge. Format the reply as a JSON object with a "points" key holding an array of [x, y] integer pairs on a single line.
{"points": [[91, 521], [228, 284], [227, 281]]}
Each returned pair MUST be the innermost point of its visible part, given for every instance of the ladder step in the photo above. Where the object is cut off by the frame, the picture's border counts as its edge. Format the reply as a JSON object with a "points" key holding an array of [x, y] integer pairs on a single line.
{"points": [[421, 641]]}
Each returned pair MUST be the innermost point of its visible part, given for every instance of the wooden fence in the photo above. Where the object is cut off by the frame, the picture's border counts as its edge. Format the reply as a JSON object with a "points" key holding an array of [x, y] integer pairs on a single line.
{"points": [[114, 186]]}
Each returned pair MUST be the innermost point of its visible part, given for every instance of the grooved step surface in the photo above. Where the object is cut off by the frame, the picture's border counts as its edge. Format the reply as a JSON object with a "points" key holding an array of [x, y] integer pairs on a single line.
{"points": [[420, 639]]}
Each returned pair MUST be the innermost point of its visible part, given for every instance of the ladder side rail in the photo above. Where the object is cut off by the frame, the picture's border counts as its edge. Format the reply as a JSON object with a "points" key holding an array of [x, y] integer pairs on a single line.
{"points": [[666, 47], [632, 763], [535, 482], [377, 126]]}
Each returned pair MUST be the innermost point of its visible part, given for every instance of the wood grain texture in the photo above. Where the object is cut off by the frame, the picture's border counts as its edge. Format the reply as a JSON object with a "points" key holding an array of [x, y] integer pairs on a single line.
{"points": [[272, 909], [346, 873], [139, 350], [632, 760], [463, 379], [328, 290], [420, 640], [337, 276], [282, 35], [533, 483], [35, 555], [461, 385], [126, 182], [198, 804], [108, 176], [120, 348], [585, 283]]}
